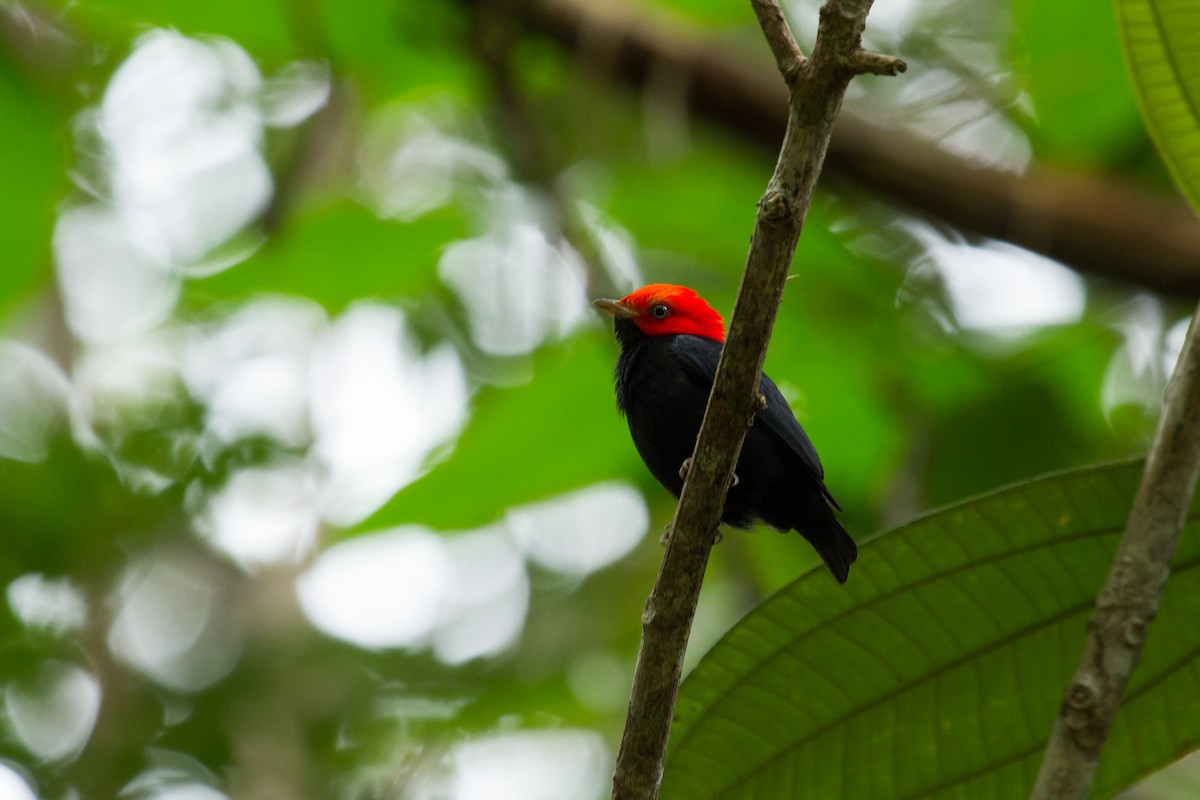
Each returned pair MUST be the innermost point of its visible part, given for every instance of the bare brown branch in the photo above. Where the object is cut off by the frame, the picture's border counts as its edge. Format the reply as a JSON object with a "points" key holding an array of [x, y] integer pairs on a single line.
{"points": [[1129, 600], [816, 96], [778, 33]]}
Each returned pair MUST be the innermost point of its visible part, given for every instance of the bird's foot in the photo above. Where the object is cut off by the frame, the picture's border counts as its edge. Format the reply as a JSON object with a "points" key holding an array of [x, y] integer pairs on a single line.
{"points": [[718, 537], [685, 467], [666, 535], [734, 481], [759, 406]]}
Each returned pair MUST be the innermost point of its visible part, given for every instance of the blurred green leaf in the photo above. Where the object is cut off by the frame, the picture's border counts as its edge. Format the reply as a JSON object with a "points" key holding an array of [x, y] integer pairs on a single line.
{"points": [[262, 25], [935, 672], [558, 432], [1162, 46], [34, 182], [1081, 94], [338, 254]]}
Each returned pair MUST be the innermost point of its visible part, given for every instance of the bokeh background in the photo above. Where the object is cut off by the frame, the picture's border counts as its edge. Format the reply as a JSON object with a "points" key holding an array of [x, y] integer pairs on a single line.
{"points": [[311, 478]]}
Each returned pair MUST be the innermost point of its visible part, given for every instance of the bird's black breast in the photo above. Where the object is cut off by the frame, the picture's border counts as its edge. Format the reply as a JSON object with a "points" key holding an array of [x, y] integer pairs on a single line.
{"points": [[663, 384], [663, 401]]}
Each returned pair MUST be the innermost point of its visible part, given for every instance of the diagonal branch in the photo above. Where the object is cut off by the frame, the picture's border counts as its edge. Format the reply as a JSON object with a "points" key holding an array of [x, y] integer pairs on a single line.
{"points": [[1129, 600], [817, 89]]}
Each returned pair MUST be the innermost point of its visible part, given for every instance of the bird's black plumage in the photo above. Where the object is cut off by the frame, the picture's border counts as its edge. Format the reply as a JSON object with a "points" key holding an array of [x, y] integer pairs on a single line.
{"points": [[663, 383]]}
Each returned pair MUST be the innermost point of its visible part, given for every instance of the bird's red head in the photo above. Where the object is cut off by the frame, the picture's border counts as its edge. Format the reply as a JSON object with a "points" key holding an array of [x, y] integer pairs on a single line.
{"points": [[663, 308]]}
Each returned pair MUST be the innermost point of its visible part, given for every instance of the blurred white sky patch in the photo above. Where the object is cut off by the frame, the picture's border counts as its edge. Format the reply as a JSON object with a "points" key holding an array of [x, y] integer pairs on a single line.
{"points": [[615, 246], [1138, 372], [488, 596], [54, 605], [951, 110], [386, 589], [52, 711], [465, 594], [34, 396], [170, 624], [183, 129], [252, 371], [263, 515], [581, 532], [295, 94], [414, 161], [111, 291], [379, 408], [13, 786], [172, 776], [357, 391], [563, 764], [1173, 341], [173, 155], [519, 288], [997, 288]]}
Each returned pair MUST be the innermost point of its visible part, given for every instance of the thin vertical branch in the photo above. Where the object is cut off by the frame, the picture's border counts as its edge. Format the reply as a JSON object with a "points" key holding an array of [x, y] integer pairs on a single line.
{"points": [[817, 86], [1129, 600]]}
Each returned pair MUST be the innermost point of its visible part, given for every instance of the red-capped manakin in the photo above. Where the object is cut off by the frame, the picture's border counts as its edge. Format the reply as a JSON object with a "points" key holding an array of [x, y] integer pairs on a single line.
{"points": [[670, 343]]}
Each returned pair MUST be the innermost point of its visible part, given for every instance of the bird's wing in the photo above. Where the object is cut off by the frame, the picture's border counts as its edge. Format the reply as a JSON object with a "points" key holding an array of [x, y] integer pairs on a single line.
{"points": [[700, 357]]}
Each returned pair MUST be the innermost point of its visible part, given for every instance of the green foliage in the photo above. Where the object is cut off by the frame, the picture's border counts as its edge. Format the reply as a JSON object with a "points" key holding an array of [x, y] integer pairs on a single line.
{"points": [[1078, 85], [908, 408], [934, 672], [1161, 38]]}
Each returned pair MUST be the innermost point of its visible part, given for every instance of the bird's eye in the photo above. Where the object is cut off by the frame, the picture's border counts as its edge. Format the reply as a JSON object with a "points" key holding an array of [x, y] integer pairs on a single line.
{"points": [[660, 311]]}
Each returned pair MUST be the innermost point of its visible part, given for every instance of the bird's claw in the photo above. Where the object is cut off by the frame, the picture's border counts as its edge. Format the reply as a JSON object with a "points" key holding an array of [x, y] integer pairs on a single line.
{"points": [[718, 537], [734, 481], [685, 467], [666, 535]]}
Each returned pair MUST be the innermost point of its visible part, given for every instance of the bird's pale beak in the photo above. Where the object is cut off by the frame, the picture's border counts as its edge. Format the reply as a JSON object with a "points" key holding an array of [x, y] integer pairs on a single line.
{"points": [[615, 307]]}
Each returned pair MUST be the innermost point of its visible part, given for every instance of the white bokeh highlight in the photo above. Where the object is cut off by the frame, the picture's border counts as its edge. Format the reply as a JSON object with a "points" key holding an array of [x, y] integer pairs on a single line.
{"points": [[519, 288], [111, 291], [996, 287], [465, 594], [54, 605], [252, 371], [412, 163], [565, 764], [263, 515], [583, 531], [52, 712], [383, 590], [13, 786], [170, 625], [34, 397], [183, 128], [379, 407]]}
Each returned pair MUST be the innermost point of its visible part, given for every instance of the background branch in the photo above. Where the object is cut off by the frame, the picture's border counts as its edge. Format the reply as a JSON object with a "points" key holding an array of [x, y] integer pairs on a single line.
{"points": [[818, 86], [1129, 600], [1098, 225]]}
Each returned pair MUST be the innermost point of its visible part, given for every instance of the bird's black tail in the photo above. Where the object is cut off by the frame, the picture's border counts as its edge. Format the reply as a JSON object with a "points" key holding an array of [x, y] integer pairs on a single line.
{"points": [[835, 546]]}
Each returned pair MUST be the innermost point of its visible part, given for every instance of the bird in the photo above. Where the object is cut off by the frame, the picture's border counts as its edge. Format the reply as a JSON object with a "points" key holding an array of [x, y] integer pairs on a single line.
{"points": [[670, 342]]}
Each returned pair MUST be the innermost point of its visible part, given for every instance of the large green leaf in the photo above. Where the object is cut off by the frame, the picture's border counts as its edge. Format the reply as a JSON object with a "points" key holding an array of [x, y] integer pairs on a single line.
{"points": [[937, 670], [1162, 45]]}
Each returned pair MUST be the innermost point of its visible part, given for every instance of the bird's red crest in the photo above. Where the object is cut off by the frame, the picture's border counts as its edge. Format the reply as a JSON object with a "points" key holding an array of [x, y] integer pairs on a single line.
{"points": [[663, 308]]}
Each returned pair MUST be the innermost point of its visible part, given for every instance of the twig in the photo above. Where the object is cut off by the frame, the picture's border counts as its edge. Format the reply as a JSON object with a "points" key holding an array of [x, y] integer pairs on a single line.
{"points": [[817, 86], [1129, 600]]}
